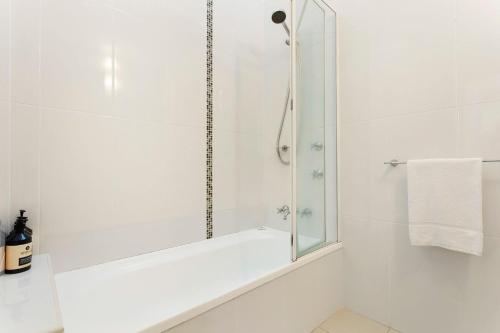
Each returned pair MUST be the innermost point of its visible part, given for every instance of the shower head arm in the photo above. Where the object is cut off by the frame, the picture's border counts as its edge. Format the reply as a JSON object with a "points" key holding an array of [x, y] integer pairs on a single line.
{"points": [[285, 26]]}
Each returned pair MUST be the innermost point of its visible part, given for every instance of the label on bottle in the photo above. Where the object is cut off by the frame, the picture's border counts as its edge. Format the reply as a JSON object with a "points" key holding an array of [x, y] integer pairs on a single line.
{"points": [[18, 256]]}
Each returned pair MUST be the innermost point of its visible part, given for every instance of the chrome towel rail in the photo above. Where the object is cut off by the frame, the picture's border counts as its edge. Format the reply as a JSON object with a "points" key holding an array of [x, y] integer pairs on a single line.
{"points": [[395, 162]]}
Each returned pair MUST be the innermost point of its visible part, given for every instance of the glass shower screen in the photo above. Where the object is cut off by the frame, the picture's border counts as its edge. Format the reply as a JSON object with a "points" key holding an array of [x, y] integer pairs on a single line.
{"points": [[314, 125]]}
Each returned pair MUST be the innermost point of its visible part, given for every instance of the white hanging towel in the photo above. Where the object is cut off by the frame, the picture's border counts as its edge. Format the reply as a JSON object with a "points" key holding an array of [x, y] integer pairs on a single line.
{"points": [[445, 204]]}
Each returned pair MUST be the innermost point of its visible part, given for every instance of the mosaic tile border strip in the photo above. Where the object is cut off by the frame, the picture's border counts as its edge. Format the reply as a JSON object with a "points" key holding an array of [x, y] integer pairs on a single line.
{"points": [[209, 151]]}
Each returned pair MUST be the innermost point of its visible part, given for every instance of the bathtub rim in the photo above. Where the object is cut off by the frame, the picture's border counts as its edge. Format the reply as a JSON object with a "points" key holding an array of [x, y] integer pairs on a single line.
{"points": [[180, 318]]}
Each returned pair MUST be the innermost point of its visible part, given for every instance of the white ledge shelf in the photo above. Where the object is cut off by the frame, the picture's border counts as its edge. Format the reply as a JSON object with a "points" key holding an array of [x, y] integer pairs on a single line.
{"points": [[28, 300]]}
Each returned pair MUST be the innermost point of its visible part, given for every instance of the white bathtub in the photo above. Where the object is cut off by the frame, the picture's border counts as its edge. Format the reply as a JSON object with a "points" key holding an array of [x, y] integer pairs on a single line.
{"points": [[156, 291]]}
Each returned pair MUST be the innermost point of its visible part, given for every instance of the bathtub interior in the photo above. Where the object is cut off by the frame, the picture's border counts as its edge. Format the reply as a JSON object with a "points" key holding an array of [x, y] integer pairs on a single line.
{"points": [[138, 293]]}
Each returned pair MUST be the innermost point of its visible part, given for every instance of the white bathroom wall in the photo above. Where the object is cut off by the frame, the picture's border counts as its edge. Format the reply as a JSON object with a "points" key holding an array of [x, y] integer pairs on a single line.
{"points": [[418, 80], [102, 158], [293, 303], [277, 75], [5, 117], [238, 84], [105, 122], [250, 81]]}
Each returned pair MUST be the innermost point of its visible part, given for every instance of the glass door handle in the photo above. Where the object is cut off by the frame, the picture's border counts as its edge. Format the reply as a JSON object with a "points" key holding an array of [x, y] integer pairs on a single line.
{"points": [[306, 212], [316, 146], [318, 174]]}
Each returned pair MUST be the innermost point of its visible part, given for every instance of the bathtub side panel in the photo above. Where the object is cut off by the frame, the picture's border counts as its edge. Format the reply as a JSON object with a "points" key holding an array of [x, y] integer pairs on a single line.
{"points": [[294, 303]]}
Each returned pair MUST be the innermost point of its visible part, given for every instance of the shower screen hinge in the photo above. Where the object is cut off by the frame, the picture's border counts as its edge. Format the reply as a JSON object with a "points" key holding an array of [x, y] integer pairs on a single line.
{"points": [[291, 240], [291, 104]]}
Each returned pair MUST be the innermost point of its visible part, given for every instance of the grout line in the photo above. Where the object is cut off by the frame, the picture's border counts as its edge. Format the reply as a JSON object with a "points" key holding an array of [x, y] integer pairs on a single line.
{"points": [[485, 101], [414, 113], [109, 116], [369, 121]]}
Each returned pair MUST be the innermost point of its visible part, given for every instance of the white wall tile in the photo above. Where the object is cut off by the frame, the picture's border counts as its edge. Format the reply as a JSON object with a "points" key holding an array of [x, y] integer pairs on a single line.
{"points": [[188, 17], [354, 87], [5, 121], [26, 24], [186, 85], [5, 49], [77, 172], [479, 128], [331, 181], [77, 44], [25, 176], [153, 186], [412, 63], [354, 175], [156, 80], [153, 79], [141, 173], [480, 311], [252, 19], [238, 219], [238, 87], [478, 51], [85, 248], [186, 173], [237, 169], [427, 285], [427, 135], [141, 70], [366, 267], [5, 116], [480, 125]]}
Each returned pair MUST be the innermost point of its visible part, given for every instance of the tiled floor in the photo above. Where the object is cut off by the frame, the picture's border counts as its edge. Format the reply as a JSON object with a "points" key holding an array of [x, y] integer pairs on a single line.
{"points": [[345, 321]]}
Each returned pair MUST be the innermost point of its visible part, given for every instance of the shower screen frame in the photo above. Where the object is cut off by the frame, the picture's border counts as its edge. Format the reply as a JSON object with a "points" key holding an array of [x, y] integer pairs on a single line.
{"points": [[295, 17]]}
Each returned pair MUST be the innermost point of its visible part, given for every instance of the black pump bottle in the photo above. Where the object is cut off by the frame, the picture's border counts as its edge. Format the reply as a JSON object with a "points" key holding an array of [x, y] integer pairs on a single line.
{"points": [[18, 247]]}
